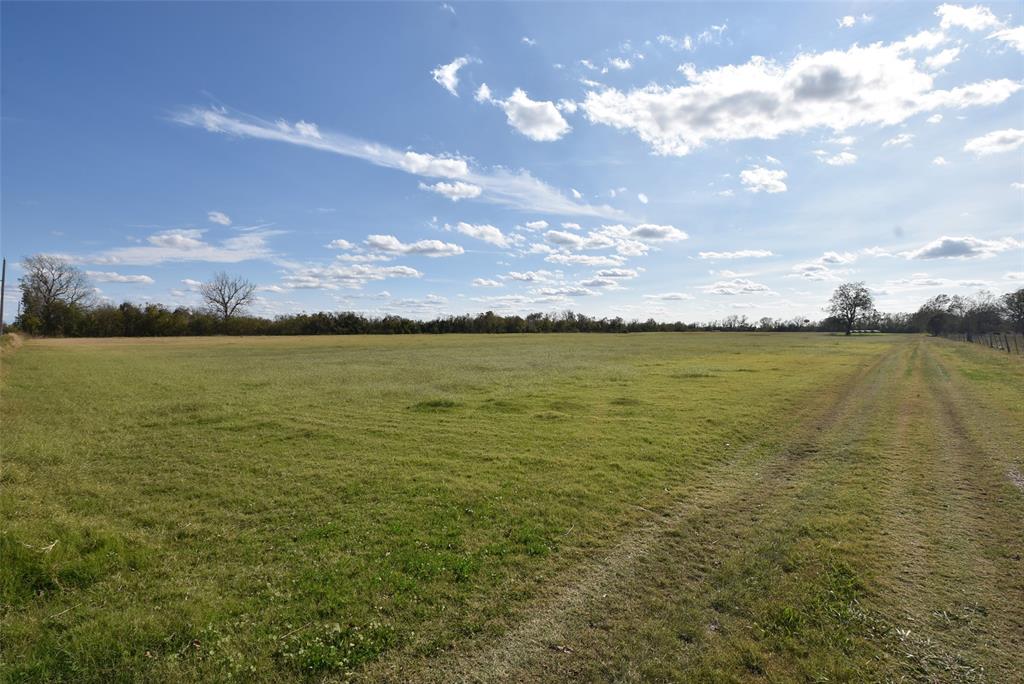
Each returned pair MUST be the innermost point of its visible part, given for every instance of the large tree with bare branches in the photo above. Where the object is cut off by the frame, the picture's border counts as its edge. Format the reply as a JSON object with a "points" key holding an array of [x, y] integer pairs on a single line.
{"points": [[227, 295], [52, 290]]}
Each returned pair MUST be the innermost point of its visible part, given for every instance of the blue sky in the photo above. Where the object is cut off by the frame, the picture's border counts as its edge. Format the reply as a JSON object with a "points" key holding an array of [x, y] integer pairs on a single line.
{"points": [[681, 161]]}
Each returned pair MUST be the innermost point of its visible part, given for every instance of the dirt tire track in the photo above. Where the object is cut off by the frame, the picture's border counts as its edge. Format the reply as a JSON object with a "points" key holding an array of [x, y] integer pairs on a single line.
{"points": [[728, 486]]}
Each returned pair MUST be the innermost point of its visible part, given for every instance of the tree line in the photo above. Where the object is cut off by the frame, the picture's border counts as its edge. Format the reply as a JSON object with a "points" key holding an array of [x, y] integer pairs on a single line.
{"points": [[56, 300]]}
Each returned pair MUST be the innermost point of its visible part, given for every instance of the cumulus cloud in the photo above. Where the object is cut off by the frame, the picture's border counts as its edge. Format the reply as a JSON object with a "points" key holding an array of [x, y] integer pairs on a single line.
{"points": [[499, 186], [583, 259], [620, 63], [844, 158], [536, 225], [971, 18], [429, 248], [485, 232], [735, 286], [760, 179], [340, 244], [1006, 140], [642, 197], [447, 75], [669, 296], [940, 161], [218, 217], [965, 247], [934, 119], [531, 276], [942, 59], [526, 40], [879, 84], [738, 254], [335, 276], [454, 191], [485, 282], [537, 120], [901, 140], [113, 277]]}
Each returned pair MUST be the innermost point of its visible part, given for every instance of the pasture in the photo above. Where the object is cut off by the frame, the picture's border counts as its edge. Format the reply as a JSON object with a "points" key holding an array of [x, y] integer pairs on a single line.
{"points": [[653, 507]]}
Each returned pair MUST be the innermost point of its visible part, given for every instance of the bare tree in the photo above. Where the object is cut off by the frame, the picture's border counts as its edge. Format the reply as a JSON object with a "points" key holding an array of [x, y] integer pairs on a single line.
{"points": [[54, 294], [849, 301], [227, 295]]}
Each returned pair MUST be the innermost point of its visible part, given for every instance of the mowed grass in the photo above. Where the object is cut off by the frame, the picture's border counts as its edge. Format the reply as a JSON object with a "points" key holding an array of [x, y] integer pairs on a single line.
{"points": [[280, 509]]}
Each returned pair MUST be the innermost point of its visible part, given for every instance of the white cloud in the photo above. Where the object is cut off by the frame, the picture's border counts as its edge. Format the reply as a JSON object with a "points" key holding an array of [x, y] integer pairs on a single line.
{"points": [[971, 18], [336, 276], [583, 260], [429, 248], [934, 119], [657, 233], [844, 140], [942, 59], [566, 291], [844, 158], [483, 93], [570, 226], [1017, 185], [485, 282], [683, 43], [537, 120], [218, 217], [617, 273], [738, 254], [901, 140], [112, 277], [669, 296], [760, 179], [340, 244], [940, 161], [762, 99], [620, 63], [1014, 37], [735, 286], [186, 244], [536, 225], [531, 276], [965, 247], [447, 75], [483, 231], [567, 106], [578, 242], [1006, 140], [454, 191], [528, 41], [447, 8], [576, 194], [500, 186], [848, 21], [642, 197]]}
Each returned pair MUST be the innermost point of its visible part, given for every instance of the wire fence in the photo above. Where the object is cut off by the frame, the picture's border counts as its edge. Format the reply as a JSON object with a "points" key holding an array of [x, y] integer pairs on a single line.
{"points": [[1011, 343]]}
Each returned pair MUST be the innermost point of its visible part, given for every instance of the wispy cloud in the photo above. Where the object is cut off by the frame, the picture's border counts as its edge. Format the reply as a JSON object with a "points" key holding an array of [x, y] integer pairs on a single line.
{"points": [[186, 244], [517, 189]]}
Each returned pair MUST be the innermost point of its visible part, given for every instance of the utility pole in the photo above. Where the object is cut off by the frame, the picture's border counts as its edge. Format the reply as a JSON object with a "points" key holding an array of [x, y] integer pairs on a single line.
{"points": [[3, 287]]}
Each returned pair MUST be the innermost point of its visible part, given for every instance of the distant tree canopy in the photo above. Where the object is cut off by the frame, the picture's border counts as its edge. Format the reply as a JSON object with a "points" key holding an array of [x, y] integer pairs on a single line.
{"points": [[57, 300], [970, 316], [850, 303]]}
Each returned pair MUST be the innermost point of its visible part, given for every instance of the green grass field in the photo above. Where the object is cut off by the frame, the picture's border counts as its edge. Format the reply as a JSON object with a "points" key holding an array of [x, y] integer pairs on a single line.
{"points": [[657, 507]]}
